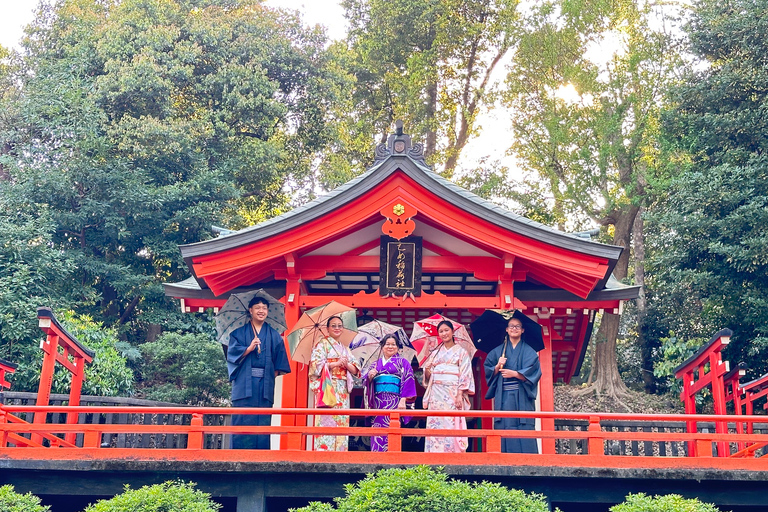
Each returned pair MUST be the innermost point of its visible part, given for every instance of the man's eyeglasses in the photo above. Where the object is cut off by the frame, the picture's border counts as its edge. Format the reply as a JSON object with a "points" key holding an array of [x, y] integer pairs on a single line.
{"points": [[514, 327]]}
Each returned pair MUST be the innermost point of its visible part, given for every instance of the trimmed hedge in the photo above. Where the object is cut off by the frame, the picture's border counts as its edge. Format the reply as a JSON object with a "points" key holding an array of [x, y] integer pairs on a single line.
{"points": [[11, 501], [667, 503], [165, 497], [428, 490]]}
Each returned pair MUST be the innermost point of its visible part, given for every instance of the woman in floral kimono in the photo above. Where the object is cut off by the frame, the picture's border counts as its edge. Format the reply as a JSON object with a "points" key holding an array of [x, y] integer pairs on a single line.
{"points": [[388, 383], [449, 382], [341, 365]]}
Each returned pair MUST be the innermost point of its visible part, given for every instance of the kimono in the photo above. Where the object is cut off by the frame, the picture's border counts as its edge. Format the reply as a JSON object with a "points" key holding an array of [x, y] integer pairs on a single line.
{"points": [[253, 379], [514, 394], [451, 375], [328, 351], [393, 381]]}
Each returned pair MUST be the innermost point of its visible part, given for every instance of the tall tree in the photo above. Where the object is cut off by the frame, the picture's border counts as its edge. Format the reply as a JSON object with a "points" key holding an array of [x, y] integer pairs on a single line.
{"points": [[710, 252], [586, 122], [145, 121], [430, 63]]}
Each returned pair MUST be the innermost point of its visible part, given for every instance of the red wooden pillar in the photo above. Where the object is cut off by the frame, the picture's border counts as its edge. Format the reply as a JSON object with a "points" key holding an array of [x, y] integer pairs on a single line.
{"points": [[291, 381], [58, 346], [546, 385], [74, 395], [689, 401], [50, 347], [718, 367]]}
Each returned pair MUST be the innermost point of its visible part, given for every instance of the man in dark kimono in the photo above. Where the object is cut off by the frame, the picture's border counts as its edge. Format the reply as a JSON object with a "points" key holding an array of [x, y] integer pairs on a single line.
{"points": [[513, 372], [256, 355]]}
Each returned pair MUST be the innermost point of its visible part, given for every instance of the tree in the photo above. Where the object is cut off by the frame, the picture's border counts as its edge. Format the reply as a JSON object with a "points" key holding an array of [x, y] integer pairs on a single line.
{"points": [[141, 123], [711, 247], [425, 489], [429, 63], [586, 129], [32, 273], [184, 369]]}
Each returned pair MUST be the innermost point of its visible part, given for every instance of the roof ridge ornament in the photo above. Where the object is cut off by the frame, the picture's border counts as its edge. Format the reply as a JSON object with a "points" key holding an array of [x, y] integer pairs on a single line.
{"points": [[399, 143]]}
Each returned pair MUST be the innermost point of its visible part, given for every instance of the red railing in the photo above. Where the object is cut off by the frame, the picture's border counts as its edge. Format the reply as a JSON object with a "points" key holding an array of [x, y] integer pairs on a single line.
{"points": [[16, 435]]}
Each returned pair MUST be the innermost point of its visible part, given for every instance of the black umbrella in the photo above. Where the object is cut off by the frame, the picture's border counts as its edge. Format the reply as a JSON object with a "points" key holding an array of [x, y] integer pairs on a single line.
{"points": [[489, 329]]}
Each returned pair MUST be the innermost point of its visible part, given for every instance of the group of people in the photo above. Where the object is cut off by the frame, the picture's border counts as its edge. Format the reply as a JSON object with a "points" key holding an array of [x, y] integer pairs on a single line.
{"points": [[512, 371]]}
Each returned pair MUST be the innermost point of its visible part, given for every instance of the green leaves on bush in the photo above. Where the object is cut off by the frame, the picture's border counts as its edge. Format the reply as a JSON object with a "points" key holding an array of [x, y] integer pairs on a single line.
{"points": [[668, 503], [11, 501], [425, 489], [185, 369], [166, 497], [108, 374]]}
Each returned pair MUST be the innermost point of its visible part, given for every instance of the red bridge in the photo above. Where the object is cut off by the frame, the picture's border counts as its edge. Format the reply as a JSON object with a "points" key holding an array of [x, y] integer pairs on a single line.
{"points": [[474, 256]]}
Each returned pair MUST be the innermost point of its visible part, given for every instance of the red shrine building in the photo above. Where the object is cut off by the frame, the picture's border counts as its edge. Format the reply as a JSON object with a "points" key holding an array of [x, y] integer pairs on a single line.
{"points": [[465, 255]]}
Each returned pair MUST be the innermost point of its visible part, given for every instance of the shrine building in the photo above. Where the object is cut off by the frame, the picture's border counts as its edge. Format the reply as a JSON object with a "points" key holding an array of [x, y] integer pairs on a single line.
{"points": [[465, 255]]}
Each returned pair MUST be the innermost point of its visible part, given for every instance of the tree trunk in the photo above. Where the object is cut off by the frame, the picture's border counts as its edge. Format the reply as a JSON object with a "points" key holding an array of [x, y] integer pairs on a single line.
{"points": [[646, 352], [431, 142], [605, 364]]}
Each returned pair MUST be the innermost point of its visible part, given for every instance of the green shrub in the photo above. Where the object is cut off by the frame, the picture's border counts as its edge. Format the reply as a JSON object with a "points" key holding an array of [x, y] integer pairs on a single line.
{"points": [[427, 490], [165, 497], [185, 369], [669, 503], [108, 374], [11, 501]]}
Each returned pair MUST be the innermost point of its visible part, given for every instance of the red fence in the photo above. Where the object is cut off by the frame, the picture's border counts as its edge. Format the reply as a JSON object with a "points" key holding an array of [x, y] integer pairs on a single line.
{"points": [[197, 431]]}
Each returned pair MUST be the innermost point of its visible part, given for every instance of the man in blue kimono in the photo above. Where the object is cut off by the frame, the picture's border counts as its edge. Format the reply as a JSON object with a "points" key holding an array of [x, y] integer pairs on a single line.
{"points": [[256, 355], [513, 372]]}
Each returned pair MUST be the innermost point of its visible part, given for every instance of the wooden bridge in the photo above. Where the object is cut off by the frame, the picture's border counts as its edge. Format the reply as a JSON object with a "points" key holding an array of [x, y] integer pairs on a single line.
{"points": [[600, 457]]}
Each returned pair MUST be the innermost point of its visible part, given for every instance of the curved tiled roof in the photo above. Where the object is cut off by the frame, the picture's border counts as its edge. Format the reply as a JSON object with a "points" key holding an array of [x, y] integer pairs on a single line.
{"points": [[421, 174]]}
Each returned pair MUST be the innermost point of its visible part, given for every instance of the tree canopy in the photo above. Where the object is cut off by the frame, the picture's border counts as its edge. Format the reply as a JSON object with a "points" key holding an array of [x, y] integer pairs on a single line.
{"points": [[710, 250]]}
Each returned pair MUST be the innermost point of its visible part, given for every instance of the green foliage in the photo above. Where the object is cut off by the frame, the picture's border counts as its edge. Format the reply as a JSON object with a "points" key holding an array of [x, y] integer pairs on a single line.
{"points": [[168, 496], [32, 273], [184, 369], [668, 503], [135, 125], [708, 264], [11, 501], [108, 373], [673, 352], [425, 489], [428, 63]]}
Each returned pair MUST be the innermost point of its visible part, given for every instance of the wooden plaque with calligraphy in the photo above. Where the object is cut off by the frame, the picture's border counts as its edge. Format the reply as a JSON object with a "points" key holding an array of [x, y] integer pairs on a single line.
{"points": [[400, 267]]}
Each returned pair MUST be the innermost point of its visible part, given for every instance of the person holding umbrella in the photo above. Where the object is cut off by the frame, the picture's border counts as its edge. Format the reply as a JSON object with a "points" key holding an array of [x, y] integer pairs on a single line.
{"points": [[331, 368], [513, 371], [449, 381], [388, 382], [255, 357]]}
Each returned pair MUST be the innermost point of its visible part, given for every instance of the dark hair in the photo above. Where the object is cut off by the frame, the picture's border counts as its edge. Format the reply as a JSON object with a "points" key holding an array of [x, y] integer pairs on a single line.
{"points": [[393, 337], [445, 322], [258, 300], [328, 323]]}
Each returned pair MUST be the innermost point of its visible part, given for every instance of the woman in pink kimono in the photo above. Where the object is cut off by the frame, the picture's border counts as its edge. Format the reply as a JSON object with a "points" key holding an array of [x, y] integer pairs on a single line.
{"points": [[341, 365], [449, 382]]}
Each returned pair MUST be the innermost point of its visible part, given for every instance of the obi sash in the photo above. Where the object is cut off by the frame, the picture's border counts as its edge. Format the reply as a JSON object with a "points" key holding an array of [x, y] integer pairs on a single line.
{"points": [[386, 383], [337, 373], [510, 384]]}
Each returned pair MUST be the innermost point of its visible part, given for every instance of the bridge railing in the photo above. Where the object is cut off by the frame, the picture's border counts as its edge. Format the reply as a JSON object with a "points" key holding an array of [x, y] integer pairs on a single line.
{"points": [[199, 431], [647, 448]]}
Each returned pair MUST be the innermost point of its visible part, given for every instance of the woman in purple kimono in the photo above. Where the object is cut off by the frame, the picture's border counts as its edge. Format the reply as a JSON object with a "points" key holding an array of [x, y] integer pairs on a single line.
{"points": [[388, 384]]}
